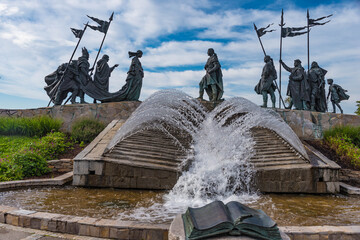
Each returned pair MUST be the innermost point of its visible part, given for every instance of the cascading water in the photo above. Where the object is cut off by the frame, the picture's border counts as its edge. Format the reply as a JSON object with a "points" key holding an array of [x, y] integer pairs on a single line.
{"points": [[221, 145]]}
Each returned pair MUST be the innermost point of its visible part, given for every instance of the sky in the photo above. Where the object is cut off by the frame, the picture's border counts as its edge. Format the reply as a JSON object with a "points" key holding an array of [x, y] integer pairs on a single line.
{"points": [[35, 38]]}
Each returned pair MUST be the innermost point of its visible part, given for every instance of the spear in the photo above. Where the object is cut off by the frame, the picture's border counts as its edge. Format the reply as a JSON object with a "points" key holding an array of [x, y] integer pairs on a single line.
{"points": [[281, 25], [67, 66], [110, 19]]}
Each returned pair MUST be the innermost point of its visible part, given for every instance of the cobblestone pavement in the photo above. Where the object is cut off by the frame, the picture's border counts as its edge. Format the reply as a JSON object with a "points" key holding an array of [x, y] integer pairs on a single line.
{"points": [[9, 232]]}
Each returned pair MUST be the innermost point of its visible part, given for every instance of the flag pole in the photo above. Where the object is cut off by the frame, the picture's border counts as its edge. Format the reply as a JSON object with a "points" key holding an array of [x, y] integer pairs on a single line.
{"points": [[308, 40], [281, 25], [110, 19], [256, 30], [67, 66]]}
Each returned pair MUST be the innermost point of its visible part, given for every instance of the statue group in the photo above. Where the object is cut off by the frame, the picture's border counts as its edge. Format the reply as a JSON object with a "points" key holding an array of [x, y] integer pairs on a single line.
{"points": [[75, 78], [306, 91]]}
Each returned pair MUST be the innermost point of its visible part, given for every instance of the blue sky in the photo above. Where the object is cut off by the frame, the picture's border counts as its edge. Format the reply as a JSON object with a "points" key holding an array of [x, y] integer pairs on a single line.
{"points": [[35, 38]]}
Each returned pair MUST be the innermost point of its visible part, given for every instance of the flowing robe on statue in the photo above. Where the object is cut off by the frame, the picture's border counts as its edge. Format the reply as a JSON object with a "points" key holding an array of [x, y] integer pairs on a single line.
{"points": [[294, 90], [317, 83], [213, 78], [268, 75], [102, 74]]}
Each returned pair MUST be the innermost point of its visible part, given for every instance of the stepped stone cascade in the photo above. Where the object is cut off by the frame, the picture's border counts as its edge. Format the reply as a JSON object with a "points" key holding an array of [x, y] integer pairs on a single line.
{"points": [[272, 150], [167, 140]]}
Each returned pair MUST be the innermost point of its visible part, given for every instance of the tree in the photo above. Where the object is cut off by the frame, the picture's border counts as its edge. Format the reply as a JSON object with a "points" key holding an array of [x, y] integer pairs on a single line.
{"points": [[358, 108]]}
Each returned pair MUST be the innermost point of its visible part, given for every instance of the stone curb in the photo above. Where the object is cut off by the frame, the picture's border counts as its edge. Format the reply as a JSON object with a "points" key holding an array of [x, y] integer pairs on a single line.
{"points": [[322, 232], [57, 181], [84, 226], [349, 190]]}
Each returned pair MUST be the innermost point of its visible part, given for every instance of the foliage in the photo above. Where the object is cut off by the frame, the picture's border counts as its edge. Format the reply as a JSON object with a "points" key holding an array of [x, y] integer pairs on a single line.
{"points": [[13, 144], [349, 132], [358, 108], [31, 163], [51, 146], [9, 171], [344, 147], [86, 129], [23, 126], [346, 142]]}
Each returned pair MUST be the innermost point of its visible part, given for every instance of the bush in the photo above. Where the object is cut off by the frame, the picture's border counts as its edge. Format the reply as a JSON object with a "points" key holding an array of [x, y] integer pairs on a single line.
{"points": [[9, 171], [50, 146], [85, 130], [344, 147], [352, 134], [35, 126], [31, 163]]}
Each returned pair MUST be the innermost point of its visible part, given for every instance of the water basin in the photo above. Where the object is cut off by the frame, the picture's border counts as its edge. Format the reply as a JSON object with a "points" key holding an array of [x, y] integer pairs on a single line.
{"points": [[151, 206]]}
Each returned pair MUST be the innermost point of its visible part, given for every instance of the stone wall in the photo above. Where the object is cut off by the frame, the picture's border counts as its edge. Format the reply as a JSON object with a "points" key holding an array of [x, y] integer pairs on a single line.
{"points": [[311, 125], [105, 112], [61, 166], [306, 124]]}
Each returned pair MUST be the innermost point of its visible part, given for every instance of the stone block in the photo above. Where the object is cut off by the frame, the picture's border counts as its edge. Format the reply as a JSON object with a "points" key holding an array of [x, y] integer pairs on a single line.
{"points": [[123, 234], [94, 231], [35, 223], [96, 166], [81, 167], [148, 183], [24, 221], [12, 220], [2, 217], [104, 232]]}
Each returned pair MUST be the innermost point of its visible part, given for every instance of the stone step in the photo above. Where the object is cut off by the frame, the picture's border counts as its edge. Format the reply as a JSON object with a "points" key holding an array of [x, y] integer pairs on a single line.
{"points": [[278, 163], [150, 155], [159, 148], [274, 158], [268, 148], [274, 152], [154, 143], [142, 159]]}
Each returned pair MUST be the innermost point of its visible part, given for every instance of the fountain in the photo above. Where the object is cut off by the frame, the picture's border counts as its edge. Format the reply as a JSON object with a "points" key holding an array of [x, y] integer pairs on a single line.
{"points": [[172, 139]]}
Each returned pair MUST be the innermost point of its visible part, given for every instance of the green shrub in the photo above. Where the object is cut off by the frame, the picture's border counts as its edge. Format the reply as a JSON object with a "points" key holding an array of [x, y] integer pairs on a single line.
{"points": [[35, 126], [344, 147], [31, 163], [9, 171], [50, 146], [85, 130], [351, 133]]}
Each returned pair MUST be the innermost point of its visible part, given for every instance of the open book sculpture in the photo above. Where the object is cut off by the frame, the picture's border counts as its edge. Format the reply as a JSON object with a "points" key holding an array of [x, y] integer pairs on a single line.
{"points": [[233, 218]]}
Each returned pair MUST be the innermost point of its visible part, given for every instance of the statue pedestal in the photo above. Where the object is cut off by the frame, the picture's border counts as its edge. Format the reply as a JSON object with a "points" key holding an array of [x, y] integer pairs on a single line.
{"points": [[176, 232]]}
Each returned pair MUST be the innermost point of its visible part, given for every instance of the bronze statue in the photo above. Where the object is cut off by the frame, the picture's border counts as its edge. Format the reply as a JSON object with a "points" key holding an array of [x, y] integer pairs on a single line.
{"points": [[102, 73], [84, 77], [337, 94], [69, 83], [296, 78], [212, 81], [317, 83], [266, 85]]}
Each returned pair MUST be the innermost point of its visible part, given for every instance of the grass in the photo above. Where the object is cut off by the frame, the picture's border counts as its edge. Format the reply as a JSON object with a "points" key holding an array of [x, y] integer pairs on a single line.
{"points": [[9, 145], [345, 141], [23, 126]]}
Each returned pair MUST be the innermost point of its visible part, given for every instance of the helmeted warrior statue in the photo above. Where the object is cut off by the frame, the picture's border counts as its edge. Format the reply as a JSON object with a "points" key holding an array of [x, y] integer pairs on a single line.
{"points": [[102, 73], [296, 81], [337, 94], [316, 77], [266, 85], [212, 82], [84, 77]]}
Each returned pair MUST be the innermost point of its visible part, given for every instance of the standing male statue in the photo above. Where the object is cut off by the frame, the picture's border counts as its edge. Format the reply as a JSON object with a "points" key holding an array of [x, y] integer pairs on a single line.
{"points": [[84, 77], [102, 73], [266, 85], [212, 81], [317, 83], [294, 90], [337, 94]]}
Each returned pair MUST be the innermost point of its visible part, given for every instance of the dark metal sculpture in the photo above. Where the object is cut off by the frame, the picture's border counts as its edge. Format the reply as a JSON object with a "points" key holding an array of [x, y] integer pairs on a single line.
{"points": [[132, 88], [212, 82], [336, 94], [296, 84], [316, 77], [103, 73], [266, 84]]}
